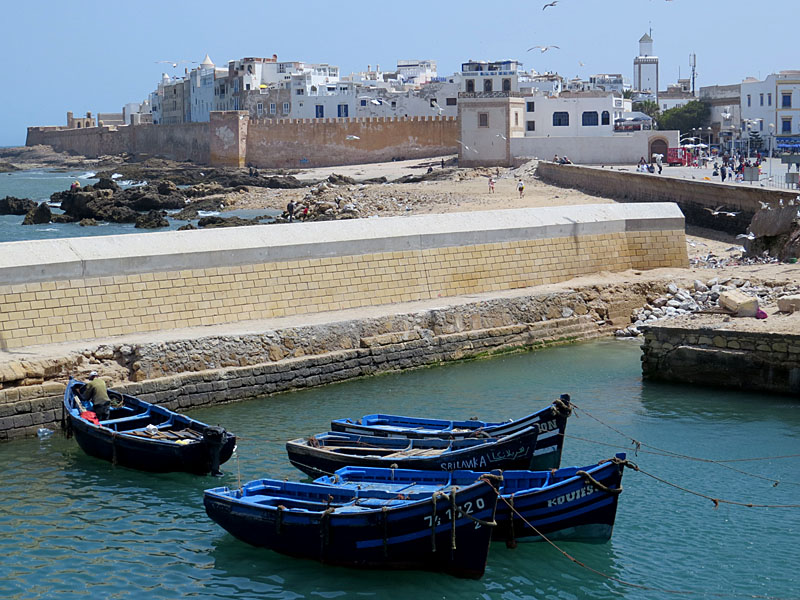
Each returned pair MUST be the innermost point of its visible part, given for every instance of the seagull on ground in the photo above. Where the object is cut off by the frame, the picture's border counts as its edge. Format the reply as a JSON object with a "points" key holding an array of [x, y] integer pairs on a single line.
{"points": [[765, 205], [746, 236], [500, 135], [352, 137]]}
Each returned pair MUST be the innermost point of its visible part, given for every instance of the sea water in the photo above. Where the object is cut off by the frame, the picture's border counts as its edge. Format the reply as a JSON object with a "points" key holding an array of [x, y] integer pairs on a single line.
{"points": [[39, 185], [72, 526]]}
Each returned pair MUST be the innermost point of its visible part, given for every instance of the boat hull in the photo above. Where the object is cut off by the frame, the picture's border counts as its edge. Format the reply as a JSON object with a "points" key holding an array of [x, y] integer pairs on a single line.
{"points": [[550, 421], [512, 452], [122, 441], [419, 536]]}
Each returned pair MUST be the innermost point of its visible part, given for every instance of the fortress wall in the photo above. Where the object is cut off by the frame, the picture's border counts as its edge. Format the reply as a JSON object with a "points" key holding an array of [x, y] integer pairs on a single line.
{"points": [[323, 142], [81, 288]]}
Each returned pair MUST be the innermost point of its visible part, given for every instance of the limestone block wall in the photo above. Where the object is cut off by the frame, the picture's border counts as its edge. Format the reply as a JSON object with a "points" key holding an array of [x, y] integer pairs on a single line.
{"points": [[81, 288], [737, 359], [693, 197]]}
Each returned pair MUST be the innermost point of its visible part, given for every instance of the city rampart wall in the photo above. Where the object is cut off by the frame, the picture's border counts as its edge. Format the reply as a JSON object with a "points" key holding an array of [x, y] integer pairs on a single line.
{"points": [[90, 287]]}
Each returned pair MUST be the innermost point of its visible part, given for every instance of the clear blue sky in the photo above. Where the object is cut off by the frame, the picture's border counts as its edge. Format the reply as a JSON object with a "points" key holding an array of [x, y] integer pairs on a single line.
{"points": [[90, 55]]}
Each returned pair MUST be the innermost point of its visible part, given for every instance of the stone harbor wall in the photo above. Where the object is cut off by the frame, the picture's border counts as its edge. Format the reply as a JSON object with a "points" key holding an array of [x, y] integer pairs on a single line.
{"points": [[210, 369], [695, 198], [232, 139], [65, 290], [716, 356]]}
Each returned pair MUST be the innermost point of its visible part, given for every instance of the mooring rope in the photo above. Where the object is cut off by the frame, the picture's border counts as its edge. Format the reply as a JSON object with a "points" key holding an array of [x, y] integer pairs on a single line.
{"points": [[622, 581], [716, 501], [664, 452]]}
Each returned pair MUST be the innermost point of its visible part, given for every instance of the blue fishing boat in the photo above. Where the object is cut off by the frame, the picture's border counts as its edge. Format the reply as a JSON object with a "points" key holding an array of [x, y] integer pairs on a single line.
{"points": [[324, 453], [573, 503], [551, 422], [145, 436], [438, 531]]}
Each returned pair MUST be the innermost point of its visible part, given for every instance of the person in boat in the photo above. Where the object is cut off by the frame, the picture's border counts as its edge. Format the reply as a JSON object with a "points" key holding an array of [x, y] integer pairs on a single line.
{"points": [[97, 392]]}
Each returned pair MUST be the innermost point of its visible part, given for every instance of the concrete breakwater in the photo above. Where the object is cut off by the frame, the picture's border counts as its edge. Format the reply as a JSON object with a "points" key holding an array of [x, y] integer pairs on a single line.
{"points": [[86, 288], [696, 199], [720, 356], [208, 369]]}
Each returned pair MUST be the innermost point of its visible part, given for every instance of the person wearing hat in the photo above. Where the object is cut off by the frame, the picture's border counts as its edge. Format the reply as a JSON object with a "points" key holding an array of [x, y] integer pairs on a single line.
{"points": [[97, 392]]}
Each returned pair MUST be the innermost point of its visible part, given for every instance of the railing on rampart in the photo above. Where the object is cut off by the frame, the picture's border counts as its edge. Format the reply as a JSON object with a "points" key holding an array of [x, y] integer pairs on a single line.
{"points": [[354, 120]]}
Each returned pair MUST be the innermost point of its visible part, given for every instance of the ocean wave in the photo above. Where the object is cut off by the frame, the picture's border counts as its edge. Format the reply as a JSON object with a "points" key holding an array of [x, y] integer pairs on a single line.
{"points": [[207, 213], [116, 175], [87, 175], [131, 183]]}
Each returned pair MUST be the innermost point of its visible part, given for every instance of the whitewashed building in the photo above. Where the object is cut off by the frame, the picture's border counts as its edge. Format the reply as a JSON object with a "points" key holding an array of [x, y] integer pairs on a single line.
{"points": [[774, 101]]}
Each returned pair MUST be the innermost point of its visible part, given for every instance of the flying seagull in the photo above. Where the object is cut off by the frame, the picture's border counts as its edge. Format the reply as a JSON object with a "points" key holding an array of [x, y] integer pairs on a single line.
{"points": [[553, 3], [500, 135], [543, 49], [746, 236], [715, 211]]}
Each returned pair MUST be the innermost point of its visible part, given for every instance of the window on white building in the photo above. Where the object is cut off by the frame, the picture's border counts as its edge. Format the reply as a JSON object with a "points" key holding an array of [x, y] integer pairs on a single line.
{"points": [[471, 86], [530, 106], [516, 119], [786, 100], [606, 118], [451, 101], [761, 99], [319, 111], [506, 85], [483, 119], [488, 85], [748, 100], [433, 103], [363, 103], [786, 125], [300, 91], [259, 108], [769, 98], [272, 108], [394, 104], [589, 119], [560, 119], [285, 108], [342, 110], [531, 126]]}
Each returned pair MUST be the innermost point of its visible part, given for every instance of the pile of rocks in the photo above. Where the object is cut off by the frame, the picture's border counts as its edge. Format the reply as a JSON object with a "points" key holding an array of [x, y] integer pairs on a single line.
{"points": [[679, 301]]}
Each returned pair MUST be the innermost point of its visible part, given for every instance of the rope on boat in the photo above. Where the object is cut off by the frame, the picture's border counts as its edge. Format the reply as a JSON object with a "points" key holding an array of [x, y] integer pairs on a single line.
{"points": [[385, 515], [511, 542], [597, 485], [113, 447], [433, 523], [453, 518], [279, 519], [663, 452], [324, 533], [561, 408], [622, 581]]}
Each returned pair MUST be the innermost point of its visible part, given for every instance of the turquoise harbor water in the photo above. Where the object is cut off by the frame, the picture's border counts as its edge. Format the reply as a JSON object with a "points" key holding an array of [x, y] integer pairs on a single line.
{"points": [[39, 185], [75, 527]]}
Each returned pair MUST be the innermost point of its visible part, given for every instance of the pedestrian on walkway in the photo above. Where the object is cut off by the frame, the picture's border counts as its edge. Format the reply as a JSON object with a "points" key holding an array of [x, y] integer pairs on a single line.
{"points": [[521, 188]]}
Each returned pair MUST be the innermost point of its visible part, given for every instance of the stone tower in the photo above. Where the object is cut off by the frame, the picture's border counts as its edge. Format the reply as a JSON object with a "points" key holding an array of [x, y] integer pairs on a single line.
{"points": [[645, 67]]}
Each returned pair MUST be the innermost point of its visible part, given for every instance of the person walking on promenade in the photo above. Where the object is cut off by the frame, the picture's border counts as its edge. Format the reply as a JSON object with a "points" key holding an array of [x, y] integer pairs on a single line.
{"points": [[290, 210], [723, 172], [521, 188], [491, 184], [659, 163]]}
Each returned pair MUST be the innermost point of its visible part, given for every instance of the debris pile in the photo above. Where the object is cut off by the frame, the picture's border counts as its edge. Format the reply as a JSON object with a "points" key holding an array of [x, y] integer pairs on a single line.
{"points": [[701, 297]]}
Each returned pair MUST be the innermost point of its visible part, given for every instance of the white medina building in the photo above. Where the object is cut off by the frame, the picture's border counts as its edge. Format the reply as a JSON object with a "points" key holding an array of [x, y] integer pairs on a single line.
{"points": [[774, 101], [645, 67], [510, 128], [416, 72], [201, 90]]}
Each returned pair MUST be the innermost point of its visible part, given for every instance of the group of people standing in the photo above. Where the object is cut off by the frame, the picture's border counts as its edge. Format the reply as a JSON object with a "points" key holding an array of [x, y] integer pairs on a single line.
{"points": [[732, 166]]}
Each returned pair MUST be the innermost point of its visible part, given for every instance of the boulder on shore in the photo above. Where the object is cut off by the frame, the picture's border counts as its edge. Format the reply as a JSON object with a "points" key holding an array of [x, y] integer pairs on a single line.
{"points": [[39, 215], [16, 206], [152, 220]]}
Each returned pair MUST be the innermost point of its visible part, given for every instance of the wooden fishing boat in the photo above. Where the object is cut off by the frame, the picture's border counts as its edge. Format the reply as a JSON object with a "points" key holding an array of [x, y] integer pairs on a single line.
{"points": [[448, 532], [573, 503], [324, 453], [145, 436], [551, 422]]}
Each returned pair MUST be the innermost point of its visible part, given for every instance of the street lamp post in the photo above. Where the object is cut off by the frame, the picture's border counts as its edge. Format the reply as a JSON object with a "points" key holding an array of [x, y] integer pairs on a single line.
{"points": [[771, 130]]}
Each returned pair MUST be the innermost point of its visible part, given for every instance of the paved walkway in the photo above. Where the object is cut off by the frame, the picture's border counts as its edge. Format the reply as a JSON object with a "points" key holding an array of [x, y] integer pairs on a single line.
{"points": [[705, 174]]}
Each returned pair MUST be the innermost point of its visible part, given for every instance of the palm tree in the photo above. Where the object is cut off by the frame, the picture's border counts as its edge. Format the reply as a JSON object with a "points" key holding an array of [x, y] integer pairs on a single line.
{"points": [[648, 107]]}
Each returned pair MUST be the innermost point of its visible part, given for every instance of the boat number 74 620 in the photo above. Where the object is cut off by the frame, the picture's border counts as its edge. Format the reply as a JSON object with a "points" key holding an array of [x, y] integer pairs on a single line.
{"points": [[466, 508]]}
